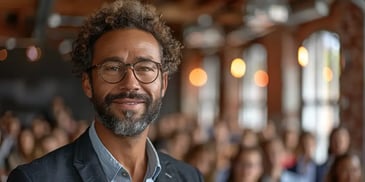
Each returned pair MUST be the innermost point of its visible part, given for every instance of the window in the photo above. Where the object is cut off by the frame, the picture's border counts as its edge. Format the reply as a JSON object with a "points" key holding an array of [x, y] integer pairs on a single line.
{"points": [[320, 86], [209, 93], [253, 108]]}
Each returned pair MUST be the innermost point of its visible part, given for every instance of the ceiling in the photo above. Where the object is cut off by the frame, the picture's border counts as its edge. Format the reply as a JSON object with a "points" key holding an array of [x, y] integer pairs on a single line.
{"points": [[30, 21]]}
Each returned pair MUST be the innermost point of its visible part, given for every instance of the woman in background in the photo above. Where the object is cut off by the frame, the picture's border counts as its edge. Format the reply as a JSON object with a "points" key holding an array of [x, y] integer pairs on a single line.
{"points": [[345, 168], [247, 165]]}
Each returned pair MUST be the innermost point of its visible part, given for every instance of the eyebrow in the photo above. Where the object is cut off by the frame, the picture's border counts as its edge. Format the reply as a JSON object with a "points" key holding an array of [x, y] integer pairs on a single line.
{"points": [[119, 59], [144, 59]]}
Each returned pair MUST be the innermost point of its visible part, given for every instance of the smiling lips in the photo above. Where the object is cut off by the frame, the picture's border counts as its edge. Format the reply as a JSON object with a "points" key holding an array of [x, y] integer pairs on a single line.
{"points": [[128, 103]]}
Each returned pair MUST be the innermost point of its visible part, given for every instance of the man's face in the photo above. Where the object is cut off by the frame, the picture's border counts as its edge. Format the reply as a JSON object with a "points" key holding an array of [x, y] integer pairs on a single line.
{"points": [[129, 106]]}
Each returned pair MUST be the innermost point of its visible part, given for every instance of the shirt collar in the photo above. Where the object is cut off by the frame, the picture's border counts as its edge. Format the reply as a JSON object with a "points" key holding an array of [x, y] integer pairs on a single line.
{"points": [[111, 166]]}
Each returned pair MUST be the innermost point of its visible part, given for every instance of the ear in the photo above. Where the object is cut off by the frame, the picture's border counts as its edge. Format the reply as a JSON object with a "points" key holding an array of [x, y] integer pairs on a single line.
{"points": [[165, 78], [86, 85]]}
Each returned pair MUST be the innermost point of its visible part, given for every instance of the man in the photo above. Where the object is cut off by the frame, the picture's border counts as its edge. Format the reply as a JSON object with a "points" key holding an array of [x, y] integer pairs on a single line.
{"points": [[124, 55]]}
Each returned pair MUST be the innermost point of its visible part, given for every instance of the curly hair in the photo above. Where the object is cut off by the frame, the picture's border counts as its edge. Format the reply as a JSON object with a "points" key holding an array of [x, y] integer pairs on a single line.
{"points": [[125, 14]]}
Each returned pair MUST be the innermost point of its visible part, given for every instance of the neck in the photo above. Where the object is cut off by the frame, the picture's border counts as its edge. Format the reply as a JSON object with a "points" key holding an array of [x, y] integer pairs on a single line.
{"points": [[128, 151]]}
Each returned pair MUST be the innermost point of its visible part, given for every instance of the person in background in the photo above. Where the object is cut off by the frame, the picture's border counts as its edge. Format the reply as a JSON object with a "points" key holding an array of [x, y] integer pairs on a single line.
{"points": [[10, 129], [124, 55], [339, 144], [249, 138], [269, 131], [247, 165], [225, 149], [40, 127], [24, 150], [203, 157], [61, 136], [290, 137], [274, 171], [45, 145], [305, 166], [81, 127], [345, 168], [178, 144]]}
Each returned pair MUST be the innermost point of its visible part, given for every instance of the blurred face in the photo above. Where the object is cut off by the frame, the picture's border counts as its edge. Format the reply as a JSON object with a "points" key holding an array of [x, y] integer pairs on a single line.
{"points": [[309, 146], [26, 142], [61, 136], [221, 133], [291, 139], [40, 128], [340, 142], [204, 160], [349, 170], [49, 144], [249, 167], [128, 106]]}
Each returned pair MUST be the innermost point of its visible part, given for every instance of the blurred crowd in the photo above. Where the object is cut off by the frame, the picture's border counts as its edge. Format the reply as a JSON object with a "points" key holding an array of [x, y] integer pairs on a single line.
{"points": [[224, 152]]}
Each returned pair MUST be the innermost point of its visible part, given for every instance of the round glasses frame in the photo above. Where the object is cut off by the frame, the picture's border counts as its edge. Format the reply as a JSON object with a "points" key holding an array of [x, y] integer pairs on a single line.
{"points": [[123, 69]]}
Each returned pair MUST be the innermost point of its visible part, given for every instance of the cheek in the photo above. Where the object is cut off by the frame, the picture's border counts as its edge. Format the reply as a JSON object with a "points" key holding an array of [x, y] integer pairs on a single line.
{"points": [[100, 89], [153, 89]]}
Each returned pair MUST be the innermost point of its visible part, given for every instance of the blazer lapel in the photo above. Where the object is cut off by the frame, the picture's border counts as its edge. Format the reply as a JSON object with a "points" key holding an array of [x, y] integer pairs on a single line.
{"points": [[168, 171], [86, 161]]}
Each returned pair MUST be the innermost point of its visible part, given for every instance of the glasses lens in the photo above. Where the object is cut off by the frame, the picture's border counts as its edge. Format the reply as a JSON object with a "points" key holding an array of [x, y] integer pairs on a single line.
{"points": [[112, 71], [146, 71]]}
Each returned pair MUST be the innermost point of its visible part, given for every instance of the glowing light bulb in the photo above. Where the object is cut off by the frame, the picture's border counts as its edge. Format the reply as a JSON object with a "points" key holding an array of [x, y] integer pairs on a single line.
{"points": [[327, 74], [303, 56], [198, 77], [238, 68], [261, 78], [33, 53], [3, 54]]}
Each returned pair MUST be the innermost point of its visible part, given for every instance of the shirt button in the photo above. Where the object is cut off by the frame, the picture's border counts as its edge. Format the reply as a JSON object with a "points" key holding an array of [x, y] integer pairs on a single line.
{"points": [[125, 174]]}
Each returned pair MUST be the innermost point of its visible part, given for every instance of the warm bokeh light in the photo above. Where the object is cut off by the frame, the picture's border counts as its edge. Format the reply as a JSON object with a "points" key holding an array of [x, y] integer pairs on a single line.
{"points": [[33, 53], [198, 77], [10, 44], [327, 74], [303, 56], [238, 68], [261, 78], [65, 47], [3, 54]]}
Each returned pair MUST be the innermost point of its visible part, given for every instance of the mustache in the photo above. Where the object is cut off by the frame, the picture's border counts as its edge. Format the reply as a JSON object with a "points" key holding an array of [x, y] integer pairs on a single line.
{"points": [[127, 95]]}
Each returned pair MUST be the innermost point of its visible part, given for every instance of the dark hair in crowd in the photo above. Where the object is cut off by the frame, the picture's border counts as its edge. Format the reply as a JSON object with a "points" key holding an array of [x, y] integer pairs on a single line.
{"points": [[332, 175]]}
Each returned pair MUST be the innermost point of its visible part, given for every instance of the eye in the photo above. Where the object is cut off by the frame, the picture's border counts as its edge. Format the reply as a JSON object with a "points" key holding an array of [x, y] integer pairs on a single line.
{"points": [[144, 68], [111, 68]]}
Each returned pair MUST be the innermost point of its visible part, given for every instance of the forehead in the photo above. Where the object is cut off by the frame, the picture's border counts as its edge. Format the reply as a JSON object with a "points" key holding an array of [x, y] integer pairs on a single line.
{"points": [[126, 44]]}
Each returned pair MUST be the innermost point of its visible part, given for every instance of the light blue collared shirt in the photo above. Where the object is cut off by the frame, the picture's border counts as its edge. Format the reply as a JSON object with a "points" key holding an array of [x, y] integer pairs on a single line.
{"points": [[113, 170]]}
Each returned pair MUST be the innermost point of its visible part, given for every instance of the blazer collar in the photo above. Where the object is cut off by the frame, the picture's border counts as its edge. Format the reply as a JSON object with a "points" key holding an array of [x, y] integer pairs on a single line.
{"points": [[86, 161], [168, 171]]}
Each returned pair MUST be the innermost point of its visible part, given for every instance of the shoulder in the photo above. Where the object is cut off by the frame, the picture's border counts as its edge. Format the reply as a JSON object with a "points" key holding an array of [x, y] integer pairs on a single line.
{"points": [[44, 167], [179, 169], [165, 158]]}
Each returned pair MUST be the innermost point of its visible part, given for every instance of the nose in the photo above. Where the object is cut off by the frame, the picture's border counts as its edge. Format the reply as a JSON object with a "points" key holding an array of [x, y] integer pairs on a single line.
{"points": [[129, 82]]}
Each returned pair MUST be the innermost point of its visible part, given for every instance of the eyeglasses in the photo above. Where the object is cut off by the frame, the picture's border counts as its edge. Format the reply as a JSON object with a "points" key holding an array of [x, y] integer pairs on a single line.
{"points": [[144, 71]]}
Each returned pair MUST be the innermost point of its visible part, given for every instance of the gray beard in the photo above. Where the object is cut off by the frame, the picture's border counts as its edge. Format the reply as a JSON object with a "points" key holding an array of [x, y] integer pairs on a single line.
{"points": [[130, 125]]}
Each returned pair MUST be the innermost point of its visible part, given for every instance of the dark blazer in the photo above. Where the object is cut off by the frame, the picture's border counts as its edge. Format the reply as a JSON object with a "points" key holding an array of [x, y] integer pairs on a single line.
{"points": [[78, 161]]}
